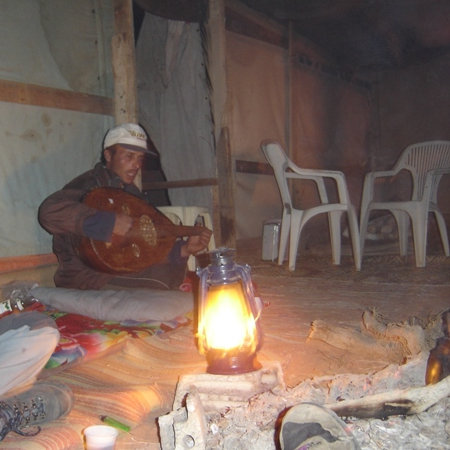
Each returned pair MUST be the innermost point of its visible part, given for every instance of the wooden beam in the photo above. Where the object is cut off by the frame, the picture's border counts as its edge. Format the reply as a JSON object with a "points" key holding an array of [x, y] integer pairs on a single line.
{"points": [[26, 262], [33, 94], [156, 185], [253, 167]]}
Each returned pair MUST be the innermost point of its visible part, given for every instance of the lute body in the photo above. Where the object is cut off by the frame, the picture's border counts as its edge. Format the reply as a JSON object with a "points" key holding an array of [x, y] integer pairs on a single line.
{"points": [[148, 242]]}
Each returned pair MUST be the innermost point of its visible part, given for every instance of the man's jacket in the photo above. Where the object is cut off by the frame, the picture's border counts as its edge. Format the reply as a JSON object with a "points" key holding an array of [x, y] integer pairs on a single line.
{"points": [[67, 218]]}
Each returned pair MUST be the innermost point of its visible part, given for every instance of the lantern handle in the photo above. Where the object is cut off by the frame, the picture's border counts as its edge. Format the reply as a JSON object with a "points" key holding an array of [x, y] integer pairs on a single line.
{"points": [[256, 308]]}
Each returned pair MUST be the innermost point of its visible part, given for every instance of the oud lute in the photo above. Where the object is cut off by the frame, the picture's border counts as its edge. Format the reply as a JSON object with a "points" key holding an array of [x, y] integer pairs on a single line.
{"points": [[148, 242]]}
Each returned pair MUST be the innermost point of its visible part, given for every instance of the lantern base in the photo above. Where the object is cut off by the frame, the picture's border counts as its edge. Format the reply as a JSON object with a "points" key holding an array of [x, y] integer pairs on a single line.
{"points": [[220, 364]]}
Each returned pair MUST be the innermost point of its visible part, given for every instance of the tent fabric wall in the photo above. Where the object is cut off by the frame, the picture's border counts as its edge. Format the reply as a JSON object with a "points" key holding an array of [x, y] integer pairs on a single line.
{"points": [[46, 44], [174, 108], [25, 53], [42, 150], [256, 110], [174, 104], [329, 124], [58, 44], [79, 38], [414, 106], [331, 119]]}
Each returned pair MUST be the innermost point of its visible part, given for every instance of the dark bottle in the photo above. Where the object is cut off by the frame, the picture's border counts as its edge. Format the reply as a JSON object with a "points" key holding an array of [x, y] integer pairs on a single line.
{"points": [[438, 365]]}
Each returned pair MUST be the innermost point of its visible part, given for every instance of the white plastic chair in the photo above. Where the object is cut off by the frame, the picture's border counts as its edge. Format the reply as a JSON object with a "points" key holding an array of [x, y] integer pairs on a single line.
{"points": [[426, 162], [294, 219]]}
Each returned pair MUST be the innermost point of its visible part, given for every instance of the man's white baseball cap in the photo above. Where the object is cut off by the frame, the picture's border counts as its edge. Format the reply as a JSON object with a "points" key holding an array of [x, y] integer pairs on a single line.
{"points": [[130, 136]]}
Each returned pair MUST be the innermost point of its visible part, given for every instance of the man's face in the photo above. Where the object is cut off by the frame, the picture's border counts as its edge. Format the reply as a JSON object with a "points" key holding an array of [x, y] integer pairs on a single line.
{"points": [[123, 162]]}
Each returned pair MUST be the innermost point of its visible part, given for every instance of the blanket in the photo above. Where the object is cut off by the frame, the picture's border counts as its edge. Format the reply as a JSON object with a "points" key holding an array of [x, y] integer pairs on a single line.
{"points": [[92, 322], [82, 337]]}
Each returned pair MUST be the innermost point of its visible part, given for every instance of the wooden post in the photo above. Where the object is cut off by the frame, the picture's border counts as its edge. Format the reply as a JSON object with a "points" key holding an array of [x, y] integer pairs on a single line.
{"points": [[124, 67], [288, 90], [124, 63], [225, 192], [217, 62]]}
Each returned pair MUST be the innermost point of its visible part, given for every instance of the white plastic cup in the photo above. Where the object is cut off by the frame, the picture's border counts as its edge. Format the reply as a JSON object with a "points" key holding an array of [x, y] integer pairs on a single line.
{"points": [[100, 437]]}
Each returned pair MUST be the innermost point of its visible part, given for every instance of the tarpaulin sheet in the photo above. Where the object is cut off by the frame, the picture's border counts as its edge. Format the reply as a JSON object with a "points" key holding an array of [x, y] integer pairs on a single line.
{"points": [[63, 45]]}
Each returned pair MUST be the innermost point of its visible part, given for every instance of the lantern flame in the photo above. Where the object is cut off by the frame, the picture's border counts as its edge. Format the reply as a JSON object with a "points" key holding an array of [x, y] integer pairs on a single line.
{"points": [[227, 323]]}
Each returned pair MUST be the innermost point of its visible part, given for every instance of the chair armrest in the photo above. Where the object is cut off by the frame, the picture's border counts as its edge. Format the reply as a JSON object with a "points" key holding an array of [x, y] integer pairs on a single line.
{"points": [[369, 183], [432, 182], [318, 176], [380, 174], [317, 179], [368, 188], [441, 171], [315, 172]]}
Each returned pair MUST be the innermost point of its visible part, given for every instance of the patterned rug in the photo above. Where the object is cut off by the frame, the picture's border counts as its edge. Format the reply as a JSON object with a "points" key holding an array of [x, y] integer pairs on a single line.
{"points": [[85, 338], [123, 370]]}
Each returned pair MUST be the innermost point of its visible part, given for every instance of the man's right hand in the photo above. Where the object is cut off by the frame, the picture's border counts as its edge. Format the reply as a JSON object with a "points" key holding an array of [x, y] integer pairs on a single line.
{"points": [[122, 224]]}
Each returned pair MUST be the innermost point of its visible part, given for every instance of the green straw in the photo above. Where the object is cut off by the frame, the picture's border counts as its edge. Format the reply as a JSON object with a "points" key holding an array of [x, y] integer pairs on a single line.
{"points": [[115, 423]]}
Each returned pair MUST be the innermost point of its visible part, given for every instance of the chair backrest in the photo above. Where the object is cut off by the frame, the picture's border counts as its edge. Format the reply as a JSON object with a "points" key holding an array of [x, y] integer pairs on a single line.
{"points": [[422, 157], [279, 161]]}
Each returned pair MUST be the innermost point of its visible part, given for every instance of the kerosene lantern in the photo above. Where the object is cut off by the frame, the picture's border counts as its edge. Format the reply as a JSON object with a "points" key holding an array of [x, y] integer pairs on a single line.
{"points": [[228, 315]]}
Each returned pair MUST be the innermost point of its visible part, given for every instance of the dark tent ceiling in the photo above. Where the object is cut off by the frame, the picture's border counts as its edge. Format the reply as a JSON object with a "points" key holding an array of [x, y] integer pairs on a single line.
{"points": [[357, 34], [368, 34]]}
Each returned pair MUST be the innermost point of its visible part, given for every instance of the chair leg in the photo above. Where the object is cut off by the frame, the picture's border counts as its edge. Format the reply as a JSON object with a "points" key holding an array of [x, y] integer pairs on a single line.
{"points": [[443, 232], [362, 232], [354, 234], [284, 234], [402, 219], [420, 227], [294, 239], [334, 218]]}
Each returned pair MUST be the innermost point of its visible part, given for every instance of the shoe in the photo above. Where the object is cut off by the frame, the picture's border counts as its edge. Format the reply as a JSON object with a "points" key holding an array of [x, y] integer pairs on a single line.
{"points": [[310, 426], [43, 403]]}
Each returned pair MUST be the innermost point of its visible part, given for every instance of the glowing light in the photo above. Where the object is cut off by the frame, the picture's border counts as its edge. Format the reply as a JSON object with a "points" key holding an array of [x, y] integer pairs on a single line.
{"points": [[228, 333], [227, 322]]}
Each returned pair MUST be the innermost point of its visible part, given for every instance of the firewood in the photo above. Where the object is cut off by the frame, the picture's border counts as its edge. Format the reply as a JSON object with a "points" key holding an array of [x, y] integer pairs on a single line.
{"points": [[396, 402], [410, 337], [353, 340]]}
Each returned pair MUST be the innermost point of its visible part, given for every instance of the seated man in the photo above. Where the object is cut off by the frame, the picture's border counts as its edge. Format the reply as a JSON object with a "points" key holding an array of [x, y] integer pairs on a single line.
{"points": [[68, 219]]}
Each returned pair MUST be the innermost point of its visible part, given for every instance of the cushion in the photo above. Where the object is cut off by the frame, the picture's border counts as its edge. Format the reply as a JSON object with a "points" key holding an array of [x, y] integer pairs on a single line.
{"points": [[117, 305]]}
